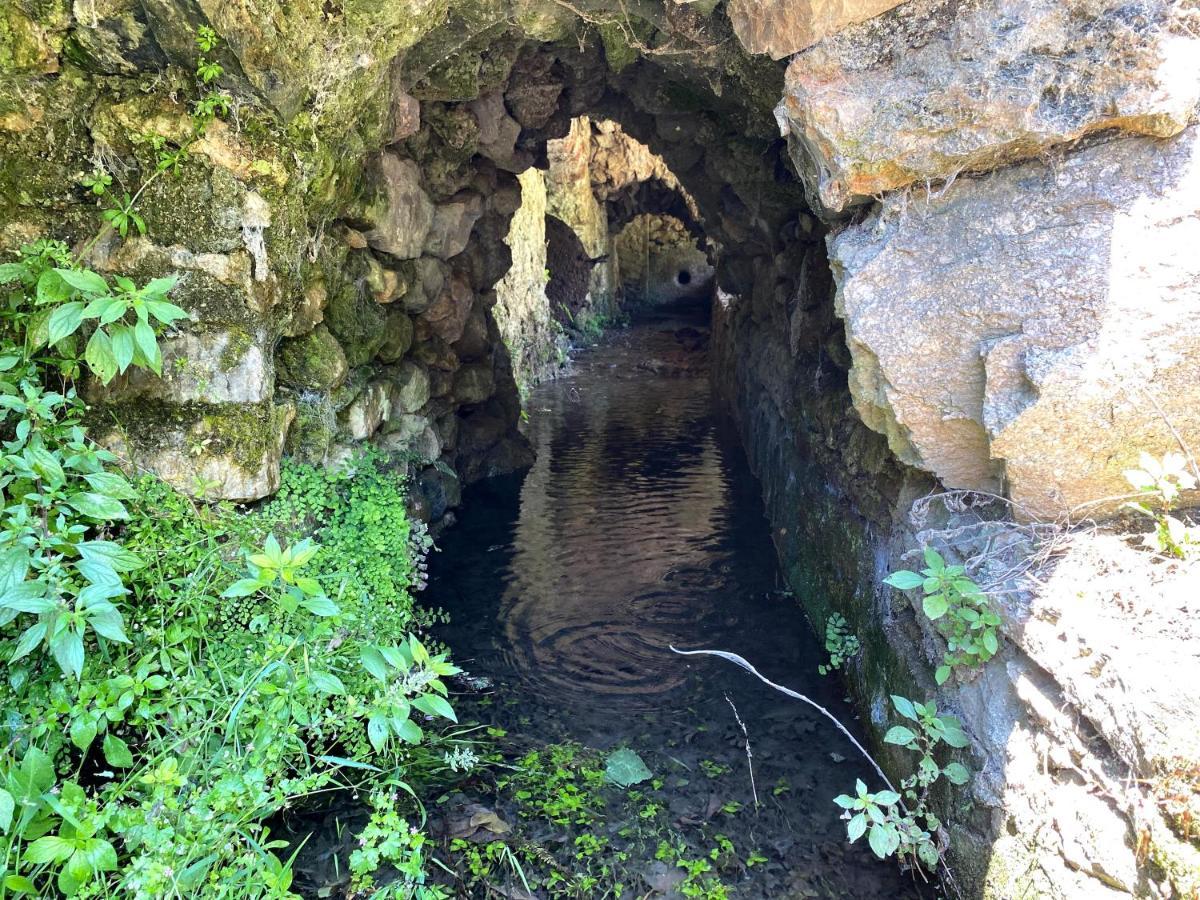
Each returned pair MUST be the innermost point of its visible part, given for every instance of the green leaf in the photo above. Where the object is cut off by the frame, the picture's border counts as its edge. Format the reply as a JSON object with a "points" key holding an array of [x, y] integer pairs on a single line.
{"points": [[883, 840], [7, 807], [143, 334], [953, 734], [625, 768], [989, 642], [434, 705], [14, 565], [99, 356], [327, 683], [348, 763], [48, 849], [935, 606], [409, 731], [160, 287], [20, 884], [856, 827], [377, 732], [373, 662], [122, 346], [97, 506], [165, 312], [904, 706], [32, 636], [116, 556], [898, 734], [67, 649], [105, 619], [887, 798], [934, 560], [111, 484], [942, 673], [28, 596], [51, 288], [904, 580], [243, 587], [83, 732], [84, 280], [65, 320], [956, 773], [116, 752], [320, 606]]}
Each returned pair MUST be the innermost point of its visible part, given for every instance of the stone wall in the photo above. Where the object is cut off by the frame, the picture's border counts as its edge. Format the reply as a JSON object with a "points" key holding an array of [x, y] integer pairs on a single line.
{"points": [[660, 261]]}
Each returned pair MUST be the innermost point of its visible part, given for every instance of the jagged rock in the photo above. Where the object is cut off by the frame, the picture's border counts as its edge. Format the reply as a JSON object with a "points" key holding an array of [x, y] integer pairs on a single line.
{"points": [[426, 286], [448, 314], [405, 113], [934, 89], [474, 384], [1063, 297], [309, 312], [398, 329], [498, 132], [411, 390], [411, 435], [357, 322], [313, 362], [398, 214], [452, 224], [782, 27], [367, 411]]}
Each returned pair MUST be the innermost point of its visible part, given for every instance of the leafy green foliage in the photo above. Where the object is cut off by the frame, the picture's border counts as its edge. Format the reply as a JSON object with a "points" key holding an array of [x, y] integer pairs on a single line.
{"points": [[840, 644], [902, 822], [959, 608], [1160, 483]]}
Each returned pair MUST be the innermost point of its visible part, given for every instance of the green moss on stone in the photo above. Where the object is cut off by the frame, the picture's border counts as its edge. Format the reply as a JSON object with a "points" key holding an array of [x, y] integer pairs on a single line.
{"points": [[314, 361], [357, 322]]}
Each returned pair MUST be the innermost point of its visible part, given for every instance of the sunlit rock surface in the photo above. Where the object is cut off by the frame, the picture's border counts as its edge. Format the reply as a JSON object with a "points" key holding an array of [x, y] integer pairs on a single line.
{"points": [[1035, 328], [934, 89]]}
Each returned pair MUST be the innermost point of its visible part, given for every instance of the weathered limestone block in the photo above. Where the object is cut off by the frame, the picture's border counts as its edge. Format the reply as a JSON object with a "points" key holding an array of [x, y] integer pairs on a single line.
{"points": [[410, 434], [410, 390], [927, 92], [782, 27], [397, 213], [452, 224], [1034, 328], [220, 451], [498, 132], [474, 384], [367, 411], [398, 330], [312, 362], [447, 317], [209, 366]]}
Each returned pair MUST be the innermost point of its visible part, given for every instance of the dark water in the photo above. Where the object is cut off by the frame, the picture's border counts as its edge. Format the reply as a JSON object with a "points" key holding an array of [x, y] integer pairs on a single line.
{"points": [[641, 527]]}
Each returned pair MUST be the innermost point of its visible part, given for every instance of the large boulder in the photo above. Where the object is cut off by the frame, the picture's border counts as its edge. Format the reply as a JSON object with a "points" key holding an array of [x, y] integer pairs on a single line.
{"points": [[1034, 328], [396, 214], [782, 27], [931, 90]]}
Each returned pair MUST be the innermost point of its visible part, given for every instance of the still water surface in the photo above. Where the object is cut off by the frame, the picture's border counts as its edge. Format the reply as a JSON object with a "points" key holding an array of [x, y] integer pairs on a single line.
{"points": [[641, 527]]}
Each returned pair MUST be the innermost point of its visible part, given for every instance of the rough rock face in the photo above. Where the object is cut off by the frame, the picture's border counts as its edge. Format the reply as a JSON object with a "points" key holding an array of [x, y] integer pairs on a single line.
{"points": [[933, 89], [782, 27], [1058, 334]]}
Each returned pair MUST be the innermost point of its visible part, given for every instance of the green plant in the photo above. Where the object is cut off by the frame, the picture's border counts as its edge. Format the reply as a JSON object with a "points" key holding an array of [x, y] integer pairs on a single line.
{"points": [[1160, 483], [902, 822], [958, 607], [840, 644]]}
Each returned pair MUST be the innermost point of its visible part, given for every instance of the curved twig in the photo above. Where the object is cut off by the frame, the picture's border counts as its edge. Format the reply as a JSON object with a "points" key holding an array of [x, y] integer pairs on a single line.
{"points": [[738, 661]]}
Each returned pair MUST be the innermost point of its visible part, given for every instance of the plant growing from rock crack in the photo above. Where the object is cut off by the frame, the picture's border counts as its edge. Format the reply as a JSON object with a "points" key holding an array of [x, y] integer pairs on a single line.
{"points": [[958, 607], [1160, 482], [900, 822], [840, 644]]}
